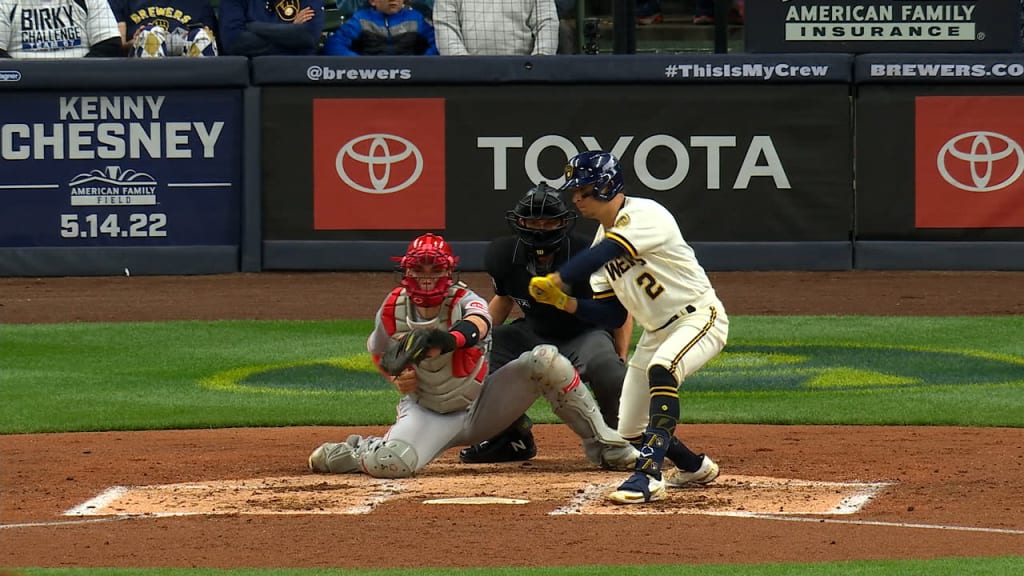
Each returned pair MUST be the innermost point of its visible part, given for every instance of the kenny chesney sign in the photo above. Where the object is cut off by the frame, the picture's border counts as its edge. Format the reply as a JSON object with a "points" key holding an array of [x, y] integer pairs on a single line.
{"points": [[859, 26]]}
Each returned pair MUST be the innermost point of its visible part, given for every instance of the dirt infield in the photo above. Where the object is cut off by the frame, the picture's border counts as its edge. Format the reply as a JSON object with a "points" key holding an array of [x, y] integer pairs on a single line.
{"points": [[938, 492]]}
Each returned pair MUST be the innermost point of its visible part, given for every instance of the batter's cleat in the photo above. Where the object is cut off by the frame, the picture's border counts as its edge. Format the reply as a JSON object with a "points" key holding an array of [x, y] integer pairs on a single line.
{"points": [[639, 488], [509, 446], [706, 474]]}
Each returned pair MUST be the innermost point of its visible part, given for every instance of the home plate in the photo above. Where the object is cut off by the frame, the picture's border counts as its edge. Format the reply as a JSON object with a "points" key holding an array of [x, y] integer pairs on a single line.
{"points": [[738, 496], [477, 500]]}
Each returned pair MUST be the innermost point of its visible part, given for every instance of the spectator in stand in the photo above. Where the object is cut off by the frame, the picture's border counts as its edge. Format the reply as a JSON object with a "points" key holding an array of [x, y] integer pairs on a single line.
{"points": [[566, 10], [496, 27], [386, 27], [649, 12], [426, 7], [264, 27], [704, 13], [58, 29], [154, 29]]}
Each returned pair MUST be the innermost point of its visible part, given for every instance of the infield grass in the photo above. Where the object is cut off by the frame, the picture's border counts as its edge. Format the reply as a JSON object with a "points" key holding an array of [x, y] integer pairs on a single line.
{"points": [[775, 370]]}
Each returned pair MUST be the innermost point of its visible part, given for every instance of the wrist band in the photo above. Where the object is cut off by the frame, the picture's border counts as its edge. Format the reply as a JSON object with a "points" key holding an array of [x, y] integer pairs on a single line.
{"points": [[466, 334]]}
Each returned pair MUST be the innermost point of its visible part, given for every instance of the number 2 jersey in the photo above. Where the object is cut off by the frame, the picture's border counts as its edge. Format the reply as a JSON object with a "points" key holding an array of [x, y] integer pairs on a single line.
{"points": [[658, 276]]}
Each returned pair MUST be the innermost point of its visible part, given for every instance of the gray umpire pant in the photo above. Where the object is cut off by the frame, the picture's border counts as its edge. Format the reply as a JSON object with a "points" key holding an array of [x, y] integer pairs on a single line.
{"points": [[591, 352]]}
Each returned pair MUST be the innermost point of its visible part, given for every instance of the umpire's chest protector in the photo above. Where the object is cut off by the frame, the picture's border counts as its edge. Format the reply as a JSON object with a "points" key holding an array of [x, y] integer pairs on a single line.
{"points": [[449, 382]]}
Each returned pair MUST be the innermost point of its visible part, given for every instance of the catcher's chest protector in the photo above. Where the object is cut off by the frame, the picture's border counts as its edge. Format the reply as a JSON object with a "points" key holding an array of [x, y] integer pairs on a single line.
{"points": [[450, 382]]}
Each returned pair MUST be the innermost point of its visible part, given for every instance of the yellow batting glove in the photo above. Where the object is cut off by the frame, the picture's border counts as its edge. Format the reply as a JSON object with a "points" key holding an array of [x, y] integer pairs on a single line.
{"points": [[544, 290]]}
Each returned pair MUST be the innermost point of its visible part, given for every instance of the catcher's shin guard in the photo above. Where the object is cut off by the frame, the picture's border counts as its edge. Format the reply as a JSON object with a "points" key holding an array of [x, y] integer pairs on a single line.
{"points": [[560, 385], [389, 458]]}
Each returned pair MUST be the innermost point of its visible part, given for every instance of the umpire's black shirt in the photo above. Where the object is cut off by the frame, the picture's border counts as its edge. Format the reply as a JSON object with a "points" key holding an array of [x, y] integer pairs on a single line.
{"points": [[507, 261]]}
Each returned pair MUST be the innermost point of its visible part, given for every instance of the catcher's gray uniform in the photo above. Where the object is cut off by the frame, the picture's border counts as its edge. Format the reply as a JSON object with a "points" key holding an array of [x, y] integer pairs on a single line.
{"points": [[456, 403]]}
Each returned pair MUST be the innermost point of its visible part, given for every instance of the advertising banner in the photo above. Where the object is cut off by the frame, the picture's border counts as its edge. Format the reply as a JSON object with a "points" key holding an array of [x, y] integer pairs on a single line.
{"points": [[968, 162], [375, 171], [728, 169], [939, 163], [605, 68], [882, 26], [939, 69], [154, 168]]}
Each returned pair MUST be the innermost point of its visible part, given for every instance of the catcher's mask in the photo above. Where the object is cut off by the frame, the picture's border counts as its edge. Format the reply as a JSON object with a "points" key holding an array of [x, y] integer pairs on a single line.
{"points": [[594, 167], [427, 270], [541, 220]]}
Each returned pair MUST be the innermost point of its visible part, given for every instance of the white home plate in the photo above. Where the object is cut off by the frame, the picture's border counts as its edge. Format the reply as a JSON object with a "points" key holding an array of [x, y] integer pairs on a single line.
{"points": [[477, 500]]}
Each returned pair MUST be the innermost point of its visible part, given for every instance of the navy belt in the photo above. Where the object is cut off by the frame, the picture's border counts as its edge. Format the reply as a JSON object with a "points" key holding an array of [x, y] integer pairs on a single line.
{"points": [[688, 310]]}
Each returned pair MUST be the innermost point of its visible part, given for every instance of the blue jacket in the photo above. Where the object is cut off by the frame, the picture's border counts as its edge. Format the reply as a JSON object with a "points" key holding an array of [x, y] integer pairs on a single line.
{"points": [[370, 32], [262, 27]]}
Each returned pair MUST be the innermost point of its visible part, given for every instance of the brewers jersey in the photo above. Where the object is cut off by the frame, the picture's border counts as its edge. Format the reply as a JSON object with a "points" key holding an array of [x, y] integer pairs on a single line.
{"points": [[169, 15], [49, 29], [658, 276]]}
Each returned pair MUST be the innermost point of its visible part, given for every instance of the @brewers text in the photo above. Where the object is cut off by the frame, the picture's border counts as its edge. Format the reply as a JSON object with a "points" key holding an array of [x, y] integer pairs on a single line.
{"points": [[137, 225]]}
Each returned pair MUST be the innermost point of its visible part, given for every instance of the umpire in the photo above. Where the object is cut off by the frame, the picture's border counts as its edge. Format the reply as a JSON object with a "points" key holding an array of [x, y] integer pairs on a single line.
{"points": [[542, 242]]}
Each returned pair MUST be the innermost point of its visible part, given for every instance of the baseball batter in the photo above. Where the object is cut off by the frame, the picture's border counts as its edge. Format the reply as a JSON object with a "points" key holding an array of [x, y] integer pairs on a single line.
{"points": [[640, 261], [442, 328]]}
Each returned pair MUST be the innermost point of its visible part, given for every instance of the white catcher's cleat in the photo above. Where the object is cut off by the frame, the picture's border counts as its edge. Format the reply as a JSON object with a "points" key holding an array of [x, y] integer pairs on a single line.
{"points": [[706, 474], [619, 457], [336, 457]]}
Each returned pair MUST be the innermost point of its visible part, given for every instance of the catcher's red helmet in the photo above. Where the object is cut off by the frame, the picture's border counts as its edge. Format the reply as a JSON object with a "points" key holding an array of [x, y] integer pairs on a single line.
{"points": [[427, 269]]}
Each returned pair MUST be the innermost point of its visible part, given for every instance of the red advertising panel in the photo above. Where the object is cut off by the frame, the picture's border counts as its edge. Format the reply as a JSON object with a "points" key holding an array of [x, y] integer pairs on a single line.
{"points": [[378, 164], [969, 162]]}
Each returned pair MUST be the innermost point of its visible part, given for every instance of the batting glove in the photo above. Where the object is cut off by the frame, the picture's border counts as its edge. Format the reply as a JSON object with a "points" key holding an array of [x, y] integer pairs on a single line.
{"points": [[545, 290]]}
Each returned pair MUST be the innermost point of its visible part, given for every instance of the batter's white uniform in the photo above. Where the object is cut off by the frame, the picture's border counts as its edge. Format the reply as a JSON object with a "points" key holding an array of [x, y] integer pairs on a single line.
{"points": [[661, 283], [51, 29]]}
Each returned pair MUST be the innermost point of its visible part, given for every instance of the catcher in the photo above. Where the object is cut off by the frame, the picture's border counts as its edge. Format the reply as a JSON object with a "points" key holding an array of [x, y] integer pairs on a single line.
{"points": [[432, 341]]}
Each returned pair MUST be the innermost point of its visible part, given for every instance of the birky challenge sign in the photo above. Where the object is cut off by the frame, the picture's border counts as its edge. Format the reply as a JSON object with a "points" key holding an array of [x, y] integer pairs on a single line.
{"points": [[864, 26]]}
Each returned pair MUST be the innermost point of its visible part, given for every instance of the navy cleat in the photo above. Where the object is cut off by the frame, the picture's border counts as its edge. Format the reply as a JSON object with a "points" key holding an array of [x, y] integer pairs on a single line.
{"points": [[513, 445]]}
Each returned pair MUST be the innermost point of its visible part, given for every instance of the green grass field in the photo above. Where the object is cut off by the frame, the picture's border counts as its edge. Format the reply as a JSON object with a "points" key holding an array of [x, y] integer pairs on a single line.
{"points": [[776, 370]]}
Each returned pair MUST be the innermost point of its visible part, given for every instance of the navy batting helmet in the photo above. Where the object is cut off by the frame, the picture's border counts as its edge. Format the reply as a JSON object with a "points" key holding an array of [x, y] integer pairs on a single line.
{"points": [[598, 168], [541, 219]]}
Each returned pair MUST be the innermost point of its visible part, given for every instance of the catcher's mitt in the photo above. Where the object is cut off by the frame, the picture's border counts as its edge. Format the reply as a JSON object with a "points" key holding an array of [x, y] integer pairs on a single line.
{"points": [[413, 347]]}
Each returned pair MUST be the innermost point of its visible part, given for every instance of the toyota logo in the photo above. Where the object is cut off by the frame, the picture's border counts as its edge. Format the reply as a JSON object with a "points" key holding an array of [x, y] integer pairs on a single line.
{"points": [[989, 156], [384, 157]]}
